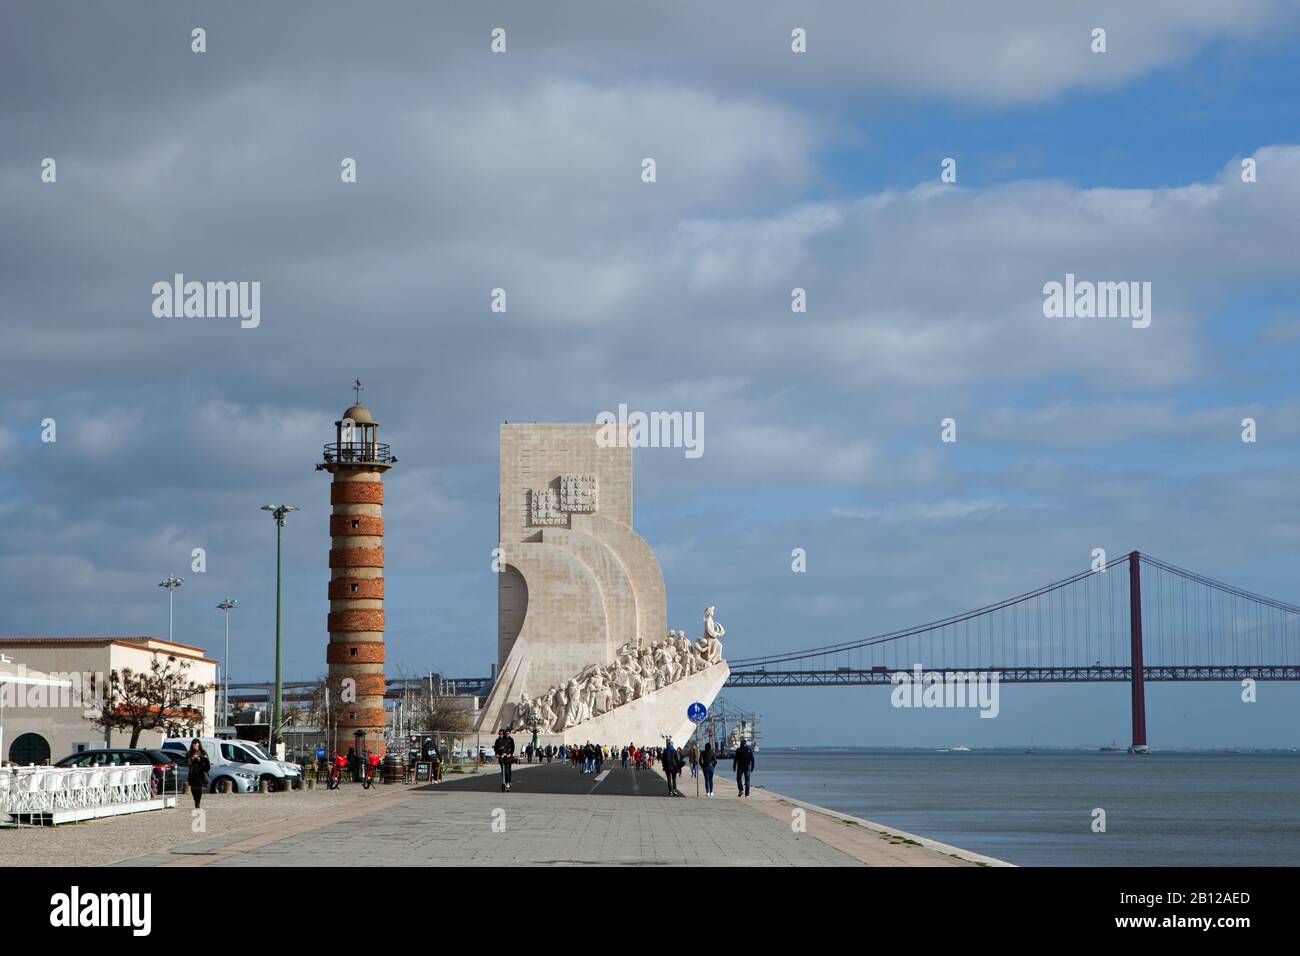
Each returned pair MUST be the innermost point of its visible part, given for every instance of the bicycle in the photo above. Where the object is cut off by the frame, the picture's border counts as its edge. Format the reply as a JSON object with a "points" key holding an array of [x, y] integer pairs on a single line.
{"points": [[368, 776]]}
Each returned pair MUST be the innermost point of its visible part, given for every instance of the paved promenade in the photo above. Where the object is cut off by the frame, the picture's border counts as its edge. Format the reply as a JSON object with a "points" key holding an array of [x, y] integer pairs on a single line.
{"points": [[556, 815]]}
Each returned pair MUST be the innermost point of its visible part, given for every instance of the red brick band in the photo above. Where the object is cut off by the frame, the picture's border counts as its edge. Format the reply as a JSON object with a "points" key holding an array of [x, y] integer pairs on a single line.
{"points": [[357, 557], [361, 619], [366, 588], [370, 685], [356, 524], [356, 492], [367, 652], [365, 717]]}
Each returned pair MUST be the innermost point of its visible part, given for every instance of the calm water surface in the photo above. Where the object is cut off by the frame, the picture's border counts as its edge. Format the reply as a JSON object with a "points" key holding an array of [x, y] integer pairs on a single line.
{"points": [[1166, 809]]}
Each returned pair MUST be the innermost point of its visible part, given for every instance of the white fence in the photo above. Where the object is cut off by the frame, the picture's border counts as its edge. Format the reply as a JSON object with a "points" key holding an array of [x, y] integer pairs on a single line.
{"points": [[60, 794]]}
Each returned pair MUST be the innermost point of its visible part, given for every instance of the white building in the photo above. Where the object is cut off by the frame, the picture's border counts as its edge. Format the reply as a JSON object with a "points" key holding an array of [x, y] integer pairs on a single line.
{"points": [[45, 723]]}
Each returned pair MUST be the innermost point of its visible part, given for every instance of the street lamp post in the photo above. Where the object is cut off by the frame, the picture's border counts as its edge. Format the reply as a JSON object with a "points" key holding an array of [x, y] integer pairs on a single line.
{"points": [[171, 584], [228, 605], [279, 512]]}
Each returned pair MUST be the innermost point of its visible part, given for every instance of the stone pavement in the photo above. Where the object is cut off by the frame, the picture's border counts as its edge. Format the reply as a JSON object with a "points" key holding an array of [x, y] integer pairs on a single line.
{"points": [[555, 815]]}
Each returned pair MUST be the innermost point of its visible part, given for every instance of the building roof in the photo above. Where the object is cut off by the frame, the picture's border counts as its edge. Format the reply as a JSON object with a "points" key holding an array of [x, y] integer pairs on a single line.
{"points": [[94, 641]]}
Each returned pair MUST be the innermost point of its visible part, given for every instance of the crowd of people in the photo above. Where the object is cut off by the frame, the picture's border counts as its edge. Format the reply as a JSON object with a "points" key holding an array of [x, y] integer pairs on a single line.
{"points": [[590, 758], [587, 758]]}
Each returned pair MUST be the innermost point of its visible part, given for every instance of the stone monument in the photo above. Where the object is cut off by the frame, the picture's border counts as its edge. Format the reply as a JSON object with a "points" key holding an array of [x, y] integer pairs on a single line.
{"points": [[583, 647]]}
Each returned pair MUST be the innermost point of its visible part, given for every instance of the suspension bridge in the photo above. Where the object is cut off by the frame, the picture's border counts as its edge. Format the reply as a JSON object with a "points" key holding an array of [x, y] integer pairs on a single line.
{"points": [[1135, 619]]}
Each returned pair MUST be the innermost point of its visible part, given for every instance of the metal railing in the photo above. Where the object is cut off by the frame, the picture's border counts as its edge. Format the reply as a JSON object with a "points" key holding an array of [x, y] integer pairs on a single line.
{"points": [[28, 791], [357, 451]]}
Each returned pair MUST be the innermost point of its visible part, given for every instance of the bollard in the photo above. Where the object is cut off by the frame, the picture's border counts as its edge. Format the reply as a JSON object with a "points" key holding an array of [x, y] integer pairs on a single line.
{"points": [[311, 783], [262, 786], [224, 785]]}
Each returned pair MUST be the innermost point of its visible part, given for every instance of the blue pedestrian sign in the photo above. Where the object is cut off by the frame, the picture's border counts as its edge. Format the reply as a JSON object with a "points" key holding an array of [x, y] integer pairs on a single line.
{"points": [[697, 712]]}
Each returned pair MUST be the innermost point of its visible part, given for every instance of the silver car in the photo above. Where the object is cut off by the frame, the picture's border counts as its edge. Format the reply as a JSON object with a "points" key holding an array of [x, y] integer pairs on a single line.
{"points": [[241, 781]]}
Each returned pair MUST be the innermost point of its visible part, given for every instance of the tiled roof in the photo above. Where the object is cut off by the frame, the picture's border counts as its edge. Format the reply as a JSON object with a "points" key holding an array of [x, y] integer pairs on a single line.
{"points": [[91, 641]]}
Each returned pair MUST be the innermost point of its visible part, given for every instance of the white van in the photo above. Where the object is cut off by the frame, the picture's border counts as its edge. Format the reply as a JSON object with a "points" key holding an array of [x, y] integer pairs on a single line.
{"points": [[244, 755]]}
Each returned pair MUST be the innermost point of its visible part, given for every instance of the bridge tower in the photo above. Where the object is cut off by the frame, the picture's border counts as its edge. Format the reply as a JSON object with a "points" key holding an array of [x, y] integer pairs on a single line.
{"points": [[1139, 745], [355, 654]]}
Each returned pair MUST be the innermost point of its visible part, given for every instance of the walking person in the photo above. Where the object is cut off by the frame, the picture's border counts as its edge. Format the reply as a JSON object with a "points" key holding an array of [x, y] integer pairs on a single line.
{"points": [[708, 760], [672, 763], [693, 757], [504, 748], [196, 760], [742, 762]]}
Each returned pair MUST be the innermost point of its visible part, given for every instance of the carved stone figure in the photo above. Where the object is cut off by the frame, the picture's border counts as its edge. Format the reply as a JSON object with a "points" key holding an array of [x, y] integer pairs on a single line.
{"points": [[639, 685], [711, 627], [561, 708], [523, 710], [604, 698], [635, 672], [572, 713], [547, 712]]}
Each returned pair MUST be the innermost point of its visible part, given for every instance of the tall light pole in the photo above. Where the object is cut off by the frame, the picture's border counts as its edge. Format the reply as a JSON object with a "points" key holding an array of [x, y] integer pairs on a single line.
{"points": [[279, 512], [171, 584], [228, 605]]}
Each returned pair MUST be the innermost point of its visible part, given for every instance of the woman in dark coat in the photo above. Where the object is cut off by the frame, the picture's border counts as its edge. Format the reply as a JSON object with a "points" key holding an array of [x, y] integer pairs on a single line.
{"points": [[708, 760], [199, 765], [671, 761]]}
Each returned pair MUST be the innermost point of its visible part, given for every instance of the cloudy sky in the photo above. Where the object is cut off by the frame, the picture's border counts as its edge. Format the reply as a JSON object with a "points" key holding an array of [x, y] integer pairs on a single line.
{"points": [[775, 170]]}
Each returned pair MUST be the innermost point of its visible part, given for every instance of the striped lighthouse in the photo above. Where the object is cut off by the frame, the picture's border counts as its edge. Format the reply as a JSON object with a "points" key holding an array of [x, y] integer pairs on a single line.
{"points": [[355, 655]]}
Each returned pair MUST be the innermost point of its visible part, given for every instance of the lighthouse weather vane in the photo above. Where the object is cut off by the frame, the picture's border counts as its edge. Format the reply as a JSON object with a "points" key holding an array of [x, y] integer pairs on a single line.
{"points": [[358, 388]]}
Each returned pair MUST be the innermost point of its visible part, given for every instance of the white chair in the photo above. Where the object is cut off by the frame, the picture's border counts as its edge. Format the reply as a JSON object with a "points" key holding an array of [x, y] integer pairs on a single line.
{"points": [[77, 780], [6, 791], [70, 777], [113, 785], [28, 790], [53, 795], [139, 783], [96, 789]]}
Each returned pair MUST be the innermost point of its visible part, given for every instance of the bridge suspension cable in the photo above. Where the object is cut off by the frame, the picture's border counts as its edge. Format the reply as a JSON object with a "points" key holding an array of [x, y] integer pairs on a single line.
{"points": [[1078, 624]]}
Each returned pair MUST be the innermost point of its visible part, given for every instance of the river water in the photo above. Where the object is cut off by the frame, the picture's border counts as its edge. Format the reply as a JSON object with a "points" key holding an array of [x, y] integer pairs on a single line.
{"points": [[1165, 809]]}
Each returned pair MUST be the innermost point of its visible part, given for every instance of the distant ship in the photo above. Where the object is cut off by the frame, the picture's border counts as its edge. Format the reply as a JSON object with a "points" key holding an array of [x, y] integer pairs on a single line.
{"points": [[1031, 746], [1112, 748], [961, 749]]}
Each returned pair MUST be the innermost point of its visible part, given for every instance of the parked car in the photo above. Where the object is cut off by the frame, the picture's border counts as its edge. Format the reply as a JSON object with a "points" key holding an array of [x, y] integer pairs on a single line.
{"points": [[182, 768], [165, 771], [241, 780], [242, 756]]}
